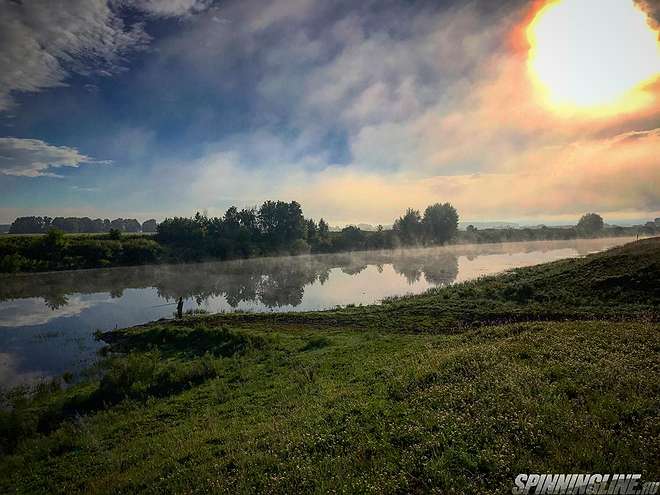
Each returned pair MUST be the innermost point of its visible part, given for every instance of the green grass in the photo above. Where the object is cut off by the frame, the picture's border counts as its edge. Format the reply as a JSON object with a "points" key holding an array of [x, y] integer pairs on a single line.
{"points": [[553, 368]]}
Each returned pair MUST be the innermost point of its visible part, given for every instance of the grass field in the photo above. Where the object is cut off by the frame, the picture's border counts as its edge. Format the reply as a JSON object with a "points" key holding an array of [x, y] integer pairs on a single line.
{"points": [[553, 368]]}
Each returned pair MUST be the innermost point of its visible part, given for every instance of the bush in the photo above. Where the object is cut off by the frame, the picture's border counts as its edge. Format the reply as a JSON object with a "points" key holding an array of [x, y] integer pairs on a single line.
{"points": [[94, 253], [139, 251], [13, 263], [519, 292], [300, 246]]}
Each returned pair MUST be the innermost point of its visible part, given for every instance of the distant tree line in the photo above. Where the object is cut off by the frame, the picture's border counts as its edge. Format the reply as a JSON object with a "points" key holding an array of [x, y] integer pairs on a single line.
{"points": [[76, 225], [274, 228], [590, 225]]}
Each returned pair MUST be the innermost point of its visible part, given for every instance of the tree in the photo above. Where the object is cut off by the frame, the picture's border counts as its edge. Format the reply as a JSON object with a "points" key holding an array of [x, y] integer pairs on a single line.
{"points": [[440, 222], [179, 230], [249, 223], [231, 223], [323, 230], [296, 227], [352, 238], [311, 231], [409, 227], [117, 224], [590, 223], [30, 225], [53, 244], [98, 225], [130, 225], [281, 223], [149, 226]]}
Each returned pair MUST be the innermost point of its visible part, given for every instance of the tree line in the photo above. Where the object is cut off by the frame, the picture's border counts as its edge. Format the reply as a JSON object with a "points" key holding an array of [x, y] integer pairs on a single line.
{"points": [[75, 225], [278, 226], [274, 228]]}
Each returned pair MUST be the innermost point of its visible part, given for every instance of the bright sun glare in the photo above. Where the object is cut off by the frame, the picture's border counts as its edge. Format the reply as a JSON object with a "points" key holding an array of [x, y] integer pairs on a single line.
{"points": [[593, 55]]}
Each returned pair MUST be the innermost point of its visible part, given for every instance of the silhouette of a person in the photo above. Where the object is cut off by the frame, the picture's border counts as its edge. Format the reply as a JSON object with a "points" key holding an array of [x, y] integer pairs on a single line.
{"points": [[179, 308]]}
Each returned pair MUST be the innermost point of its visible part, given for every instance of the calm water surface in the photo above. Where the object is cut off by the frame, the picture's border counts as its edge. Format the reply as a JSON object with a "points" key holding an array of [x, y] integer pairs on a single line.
{"points": [[47, 321]]}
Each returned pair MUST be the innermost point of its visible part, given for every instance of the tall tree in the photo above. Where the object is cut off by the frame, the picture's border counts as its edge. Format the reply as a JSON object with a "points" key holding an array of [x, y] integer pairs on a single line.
{"points": [[440, 223], [590, 223], [30, 225], [409, 227], [149, 226]]}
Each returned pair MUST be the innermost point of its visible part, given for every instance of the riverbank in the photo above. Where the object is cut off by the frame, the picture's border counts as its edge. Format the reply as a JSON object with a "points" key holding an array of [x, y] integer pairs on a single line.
{"points": [[552, 368]]}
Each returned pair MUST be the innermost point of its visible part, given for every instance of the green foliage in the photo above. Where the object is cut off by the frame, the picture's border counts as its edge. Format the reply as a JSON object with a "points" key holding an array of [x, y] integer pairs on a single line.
{"points": [[300, 246], [54, 241], [590, 223], [140, 251], [13, 263], [57, 251], [275, 228], [409, 227], [440, 223]]}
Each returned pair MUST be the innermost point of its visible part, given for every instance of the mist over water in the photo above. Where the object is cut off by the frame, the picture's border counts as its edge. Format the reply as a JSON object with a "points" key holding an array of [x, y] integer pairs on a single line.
{"points": [[47, 321]]}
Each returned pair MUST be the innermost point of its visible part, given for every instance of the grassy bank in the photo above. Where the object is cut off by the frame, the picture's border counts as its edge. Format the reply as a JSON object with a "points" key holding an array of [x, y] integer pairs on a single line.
{"points": [[553, 368]]}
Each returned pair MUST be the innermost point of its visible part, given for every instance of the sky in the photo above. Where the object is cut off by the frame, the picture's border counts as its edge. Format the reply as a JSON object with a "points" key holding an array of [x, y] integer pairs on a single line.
{"points": [[528, 111]]}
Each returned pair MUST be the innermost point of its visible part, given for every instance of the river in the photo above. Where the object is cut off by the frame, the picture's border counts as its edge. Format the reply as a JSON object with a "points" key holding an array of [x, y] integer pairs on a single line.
{"points": [[47, 321]]}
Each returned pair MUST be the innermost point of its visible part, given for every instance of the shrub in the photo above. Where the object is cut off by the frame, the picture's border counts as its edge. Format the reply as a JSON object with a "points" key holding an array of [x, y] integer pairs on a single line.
{"points": [[13, 263], [94, 252], [300, 246], [138, 251]]}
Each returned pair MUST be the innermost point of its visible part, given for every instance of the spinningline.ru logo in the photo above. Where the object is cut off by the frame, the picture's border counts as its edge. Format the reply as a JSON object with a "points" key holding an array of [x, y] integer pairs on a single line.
{"points": [[608, 484]]}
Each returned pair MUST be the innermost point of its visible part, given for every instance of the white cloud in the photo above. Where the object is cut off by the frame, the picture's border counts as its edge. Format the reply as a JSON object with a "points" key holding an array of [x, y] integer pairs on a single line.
{"points": [[43, 42], [171, 8], [33, 157]]}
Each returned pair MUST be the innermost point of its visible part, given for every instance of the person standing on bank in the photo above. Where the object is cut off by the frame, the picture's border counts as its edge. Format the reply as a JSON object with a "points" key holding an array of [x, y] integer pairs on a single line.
{"points": [[179, 308]]}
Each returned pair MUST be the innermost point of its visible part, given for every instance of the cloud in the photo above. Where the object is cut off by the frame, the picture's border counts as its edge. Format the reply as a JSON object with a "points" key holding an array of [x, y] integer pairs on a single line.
{"points": [[171, 8], [42, 43], [652, 9], [611, 175], [435, 105], [34, 158], [361, 112]]}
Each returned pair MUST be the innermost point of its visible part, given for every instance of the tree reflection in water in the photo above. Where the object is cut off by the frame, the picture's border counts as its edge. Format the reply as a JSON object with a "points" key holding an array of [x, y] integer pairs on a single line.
{"points": [[272, 282]]}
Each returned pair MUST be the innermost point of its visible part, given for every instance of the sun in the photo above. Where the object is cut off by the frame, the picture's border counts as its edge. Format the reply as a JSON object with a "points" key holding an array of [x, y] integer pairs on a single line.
{"points": [[593, 55]]}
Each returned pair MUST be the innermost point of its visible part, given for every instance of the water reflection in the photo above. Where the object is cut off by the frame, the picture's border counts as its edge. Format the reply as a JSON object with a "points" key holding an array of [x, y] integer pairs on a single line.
{"points": [[268, 282], [47, 320]]}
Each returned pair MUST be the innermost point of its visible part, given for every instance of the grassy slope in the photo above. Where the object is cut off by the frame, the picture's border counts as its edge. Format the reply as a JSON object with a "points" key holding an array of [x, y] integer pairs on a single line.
{"points": [[338, 401]]}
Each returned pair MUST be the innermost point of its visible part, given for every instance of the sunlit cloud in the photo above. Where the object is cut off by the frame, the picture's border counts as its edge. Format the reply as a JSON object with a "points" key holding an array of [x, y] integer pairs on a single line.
{"points": [[359, 113]]}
